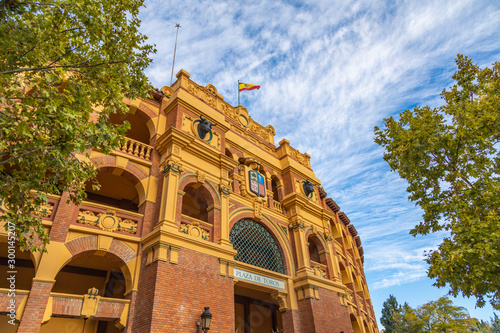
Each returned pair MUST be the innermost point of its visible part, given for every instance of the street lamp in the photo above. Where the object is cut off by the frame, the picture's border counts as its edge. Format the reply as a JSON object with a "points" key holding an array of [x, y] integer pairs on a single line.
{"points": [[206, 317]]}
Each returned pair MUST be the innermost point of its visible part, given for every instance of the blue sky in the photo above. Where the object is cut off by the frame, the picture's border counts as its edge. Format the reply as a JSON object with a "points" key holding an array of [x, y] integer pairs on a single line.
{"points": [[329, 72]]}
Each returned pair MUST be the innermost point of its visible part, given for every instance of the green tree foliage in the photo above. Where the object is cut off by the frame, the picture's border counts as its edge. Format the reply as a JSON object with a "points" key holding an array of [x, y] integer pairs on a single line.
{"points": [[60, 61], [495, 323], [449, 156], [406, 320], [481, 326], [436, 316], [443, 316], [389, 307]]}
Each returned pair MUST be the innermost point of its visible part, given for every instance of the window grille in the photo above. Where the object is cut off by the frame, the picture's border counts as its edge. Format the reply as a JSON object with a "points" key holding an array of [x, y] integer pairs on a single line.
{"points": [[256, 246]]}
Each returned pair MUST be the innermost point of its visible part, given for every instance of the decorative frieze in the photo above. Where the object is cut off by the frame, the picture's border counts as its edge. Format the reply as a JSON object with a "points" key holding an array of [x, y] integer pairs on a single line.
{"points": [[171, 166], [320, 271], [304, 159], [46, 209], [107, 221], [194, 229]]}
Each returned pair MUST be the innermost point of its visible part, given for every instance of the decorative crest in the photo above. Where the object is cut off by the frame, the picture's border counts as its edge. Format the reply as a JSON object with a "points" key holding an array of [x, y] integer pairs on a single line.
{"points": [[257, 185]]}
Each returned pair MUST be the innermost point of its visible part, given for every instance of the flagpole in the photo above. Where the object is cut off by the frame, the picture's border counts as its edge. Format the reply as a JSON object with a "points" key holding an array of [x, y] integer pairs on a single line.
{"points": [[177, 25], [238, 92]]}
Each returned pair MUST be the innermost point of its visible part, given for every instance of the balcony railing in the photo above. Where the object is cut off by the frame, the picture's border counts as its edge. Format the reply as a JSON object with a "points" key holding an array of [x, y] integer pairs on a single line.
{"points": [[6, 304], [90, 305], [278, 206], [137, 148], [196, 228], [109, 218], [319, 269]]}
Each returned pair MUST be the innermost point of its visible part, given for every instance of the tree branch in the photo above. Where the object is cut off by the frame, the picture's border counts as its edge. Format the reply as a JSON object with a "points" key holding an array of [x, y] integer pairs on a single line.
{"points": [[452, 167], [43, 69], [30, 151], [19, 58], [65, 54]]}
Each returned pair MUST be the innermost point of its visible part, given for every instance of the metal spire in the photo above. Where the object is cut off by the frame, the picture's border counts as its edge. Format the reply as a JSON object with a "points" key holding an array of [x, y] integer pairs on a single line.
{"points": [[177, 25]]}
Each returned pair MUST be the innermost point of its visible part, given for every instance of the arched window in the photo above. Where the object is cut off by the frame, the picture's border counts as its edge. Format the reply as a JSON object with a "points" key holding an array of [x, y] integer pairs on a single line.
{"points": [[194, 203], [256, 246], [138, 129], [116, 191], [274, 187], [313, 251]]}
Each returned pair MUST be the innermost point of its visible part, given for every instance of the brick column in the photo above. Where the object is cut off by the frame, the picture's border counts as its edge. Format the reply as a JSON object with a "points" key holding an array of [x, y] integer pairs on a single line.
{"points": [[291, 321], [130, 320], [64, 215], [35, 306]]}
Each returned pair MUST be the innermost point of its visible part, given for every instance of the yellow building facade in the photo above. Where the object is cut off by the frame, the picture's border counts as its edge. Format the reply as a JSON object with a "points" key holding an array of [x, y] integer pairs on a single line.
{"points": [[200, 208]]}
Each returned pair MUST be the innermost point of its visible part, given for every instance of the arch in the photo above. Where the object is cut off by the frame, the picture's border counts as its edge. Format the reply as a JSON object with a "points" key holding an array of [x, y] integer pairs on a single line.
{"points": [[136, 173], [230, 154], [275, 186], [343, 271], [367, 328], [213, 197], [357, 283], [145, 114], [125, 180], [278, 233], [257, 246], [313, 250], [89, 270], [355, 324], [117, 252], [196, 201]]}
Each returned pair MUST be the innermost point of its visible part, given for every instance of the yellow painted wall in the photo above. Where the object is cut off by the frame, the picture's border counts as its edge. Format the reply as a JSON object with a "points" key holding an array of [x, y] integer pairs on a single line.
{"points": [[5, 327], [24, 277], [68, 325], [71, 283]]}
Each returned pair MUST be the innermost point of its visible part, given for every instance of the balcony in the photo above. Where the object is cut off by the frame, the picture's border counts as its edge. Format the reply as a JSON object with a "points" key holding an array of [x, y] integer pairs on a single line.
{"points": [[137, 149], [88, 306], [109, 218], [20, 298], [278, 207], [195, 228]]}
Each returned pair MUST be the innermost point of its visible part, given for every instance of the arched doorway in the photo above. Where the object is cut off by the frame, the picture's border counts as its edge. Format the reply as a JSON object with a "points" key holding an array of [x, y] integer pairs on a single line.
{"points": [[256, 310]]}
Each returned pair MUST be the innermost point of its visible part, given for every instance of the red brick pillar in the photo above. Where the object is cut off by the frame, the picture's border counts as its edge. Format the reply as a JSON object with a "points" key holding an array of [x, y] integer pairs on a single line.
{"points": [[130, 321], [64, 215], [291, 321], [35, 307]]}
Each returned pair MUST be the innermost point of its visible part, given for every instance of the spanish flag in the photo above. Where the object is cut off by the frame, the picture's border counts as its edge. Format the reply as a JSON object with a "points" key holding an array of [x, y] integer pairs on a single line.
{"points": [[246, 86]]}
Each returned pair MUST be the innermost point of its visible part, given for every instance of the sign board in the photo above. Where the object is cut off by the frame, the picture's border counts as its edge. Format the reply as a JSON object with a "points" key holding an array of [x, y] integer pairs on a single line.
{"points": [[259, 279]]}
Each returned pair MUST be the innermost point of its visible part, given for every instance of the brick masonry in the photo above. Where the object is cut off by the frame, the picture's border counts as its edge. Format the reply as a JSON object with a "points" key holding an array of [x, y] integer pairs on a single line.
{"points": [[180, 293], [35, 307], [325, 314]]}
